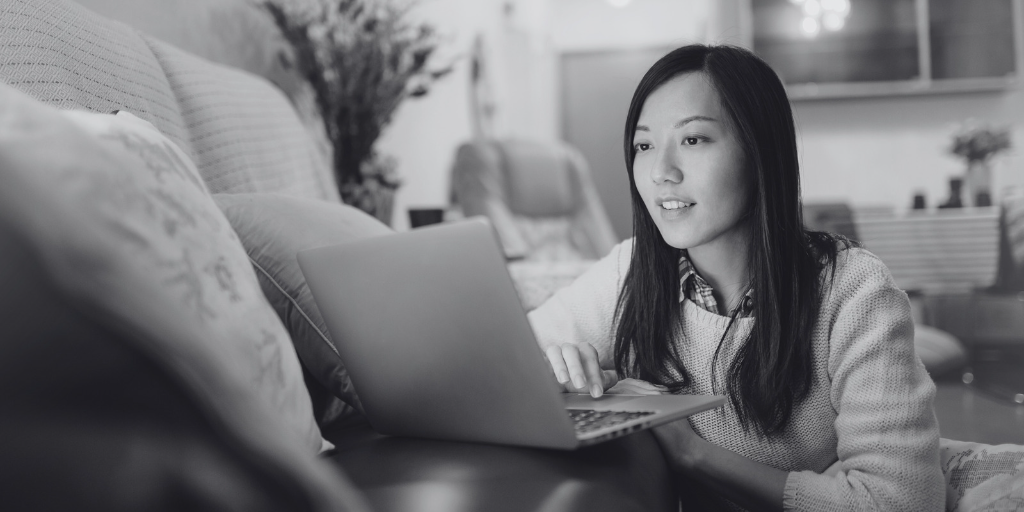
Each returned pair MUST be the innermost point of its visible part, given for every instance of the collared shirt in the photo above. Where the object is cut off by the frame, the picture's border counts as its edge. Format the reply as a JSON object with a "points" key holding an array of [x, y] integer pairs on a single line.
{"points": [[694, 287]]}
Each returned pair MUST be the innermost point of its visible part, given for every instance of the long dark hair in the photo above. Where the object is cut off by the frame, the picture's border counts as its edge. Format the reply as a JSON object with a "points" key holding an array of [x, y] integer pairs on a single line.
{"points": [[772, 371]]}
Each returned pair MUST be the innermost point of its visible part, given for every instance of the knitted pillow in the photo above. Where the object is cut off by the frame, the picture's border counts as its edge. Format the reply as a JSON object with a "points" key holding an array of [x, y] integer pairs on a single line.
{"points": [[246, 136], [273, 229], [123, 219], [982, 477]]}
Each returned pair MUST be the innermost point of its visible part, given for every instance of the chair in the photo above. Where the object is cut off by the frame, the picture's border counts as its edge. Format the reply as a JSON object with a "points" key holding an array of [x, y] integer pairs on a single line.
{"points": [[539, 196]]}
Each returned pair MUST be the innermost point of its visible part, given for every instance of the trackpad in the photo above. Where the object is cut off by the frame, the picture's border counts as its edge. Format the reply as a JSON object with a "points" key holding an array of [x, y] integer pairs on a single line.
{"points": [[605, 402]]}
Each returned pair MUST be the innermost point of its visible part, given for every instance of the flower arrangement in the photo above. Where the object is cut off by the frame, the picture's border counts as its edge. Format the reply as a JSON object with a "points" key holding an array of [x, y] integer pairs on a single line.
{"points": [[362, 59], [978, 143]]}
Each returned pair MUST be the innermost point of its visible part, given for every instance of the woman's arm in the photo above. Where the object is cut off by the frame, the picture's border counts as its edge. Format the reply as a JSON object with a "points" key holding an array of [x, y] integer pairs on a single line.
{"points": [[887, 434], [745, 482], [576, 328]]}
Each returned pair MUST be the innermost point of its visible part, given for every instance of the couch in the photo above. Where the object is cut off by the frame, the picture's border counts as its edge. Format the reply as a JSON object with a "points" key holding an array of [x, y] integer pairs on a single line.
{"points": [[105, 408]]}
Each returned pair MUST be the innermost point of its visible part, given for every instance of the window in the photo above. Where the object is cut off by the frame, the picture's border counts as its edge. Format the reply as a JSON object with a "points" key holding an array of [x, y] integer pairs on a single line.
{"points": [[833, 48]]}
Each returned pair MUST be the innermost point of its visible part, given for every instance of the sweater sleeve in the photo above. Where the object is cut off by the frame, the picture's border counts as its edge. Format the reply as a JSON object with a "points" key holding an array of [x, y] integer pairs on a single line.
{"points": [[888, 436], [584, 311]]}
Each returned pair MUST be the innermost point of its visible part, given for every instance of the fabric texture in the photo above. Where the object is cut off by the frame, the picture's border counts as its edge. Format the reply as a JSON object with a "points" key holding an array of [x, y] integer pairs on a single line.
{"points": [[274, 228], [66, 56], [100, 417], [695, 288], [870, 405], [982, 477], [126, 222], [239, 34], [539, 196], [245, 134]]}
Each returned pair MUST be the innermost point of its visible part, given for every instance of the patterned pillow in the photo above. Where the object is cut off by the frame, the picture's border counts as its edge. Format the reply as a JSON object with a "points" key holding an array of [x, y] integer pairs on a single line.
{"points": [[122, 219], [273, 229], [982, 477]]}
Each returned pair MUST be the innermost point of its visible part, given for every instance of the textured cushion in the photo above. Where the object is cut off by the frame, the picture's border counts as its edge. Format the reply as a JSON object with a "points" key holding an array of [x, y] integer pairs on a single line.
{"points": [[245, 134], [982, 477], [65, 55], [100, 418], [125, 222], [236, 33], [273, 229]]}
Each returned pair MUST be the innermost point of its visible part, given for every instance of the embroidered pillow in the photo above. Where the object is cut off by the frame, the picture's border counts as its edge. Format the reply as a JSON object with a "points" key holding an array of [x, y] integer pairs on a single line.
{"points": [[982, 476], [273, 229], [120, 215]]}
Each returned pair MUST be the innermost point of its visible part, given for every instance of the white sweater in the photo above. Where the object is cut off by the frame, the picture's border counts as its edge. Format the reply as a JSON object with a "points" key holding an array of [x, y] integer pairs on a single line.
{"points": [[870, 404]]}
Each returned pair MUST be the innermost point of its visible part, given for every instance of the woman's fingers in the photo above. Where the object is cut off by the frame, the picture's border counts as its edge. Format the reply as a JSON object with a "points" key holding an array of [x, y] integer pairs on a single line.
{"points": [[610, 378], [578, 368], [592, 369], [573, 363], [554, 355]]}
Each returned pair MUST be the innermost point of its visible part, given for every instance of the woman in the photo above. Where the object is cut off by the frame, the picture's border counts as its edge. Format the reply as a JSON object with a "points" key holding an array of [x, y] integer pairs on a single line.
{"points": [[722, 291]]}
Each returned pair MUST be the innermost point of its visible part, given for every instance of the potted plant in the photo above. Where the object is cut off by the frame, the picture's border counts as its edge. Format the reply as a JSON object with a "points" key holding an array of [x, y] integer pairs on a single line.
{"points": [[976, 144], [362, 59]]}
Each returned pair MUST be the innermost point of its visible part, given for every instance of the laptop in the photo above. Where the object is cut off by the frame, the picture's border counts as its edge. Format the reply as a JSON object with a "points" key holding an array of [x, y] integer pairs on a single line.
{"points": [[438, 346]]}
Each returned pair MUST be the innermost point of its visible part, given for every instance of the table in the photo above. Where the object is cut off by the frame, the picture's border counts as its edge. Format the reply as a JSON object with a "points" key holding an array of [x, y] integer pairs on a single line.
{"points": [[418, 475]]}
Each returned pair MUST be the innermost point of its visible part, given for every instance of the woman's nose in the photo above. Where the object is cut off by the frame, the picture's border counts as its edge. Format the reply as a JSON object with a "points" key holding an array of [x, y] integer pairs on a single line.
{"points": [[666, 168]]}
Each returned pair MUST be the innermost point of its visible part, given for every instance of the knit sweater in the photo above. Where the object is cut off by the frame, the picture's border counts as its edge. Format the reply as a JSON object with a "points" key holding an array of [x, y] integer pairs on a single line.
{"points": [[869, 405]]}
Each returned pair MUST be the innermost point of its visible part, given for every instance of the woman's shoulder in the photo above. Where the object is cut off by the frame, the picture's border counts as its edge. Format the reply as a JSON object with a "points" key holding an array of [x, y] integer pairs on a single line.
{"points": [[855, 264], [858, 279]]}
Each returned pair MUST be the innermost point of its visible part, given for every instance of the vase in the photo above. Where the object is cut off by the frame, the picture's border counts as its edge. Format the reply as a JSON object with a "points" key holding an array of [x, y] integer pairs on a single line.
{"points": [[384, 204], [978, 183], [955, 194]]}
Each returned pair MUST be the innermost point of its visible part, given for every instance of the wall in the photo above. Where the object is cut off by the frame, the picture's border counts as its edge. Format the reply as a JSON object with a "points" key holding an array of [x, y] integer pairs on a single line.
{"points": [[425, 132], [604, 51], [882, 150]]}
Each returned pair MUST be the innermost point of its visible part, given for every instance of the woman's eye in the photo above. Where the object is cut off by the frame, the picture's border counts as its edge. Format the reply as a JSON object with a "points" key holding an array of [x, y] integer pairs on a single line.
{"points": [[641, 146], [691, 141]]}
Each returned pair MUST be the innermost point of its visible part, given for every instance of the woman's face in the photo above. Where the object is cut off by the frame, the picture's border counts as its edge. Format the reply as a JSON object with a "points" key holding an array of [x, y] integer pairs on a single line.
{"points": [[689, 166]]}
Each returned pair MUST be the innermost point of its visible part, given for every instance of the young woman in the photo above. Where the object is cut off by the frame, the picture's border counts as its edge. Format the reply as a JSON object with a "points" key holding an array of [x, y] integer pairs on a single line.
{"points": [[723, 291]]}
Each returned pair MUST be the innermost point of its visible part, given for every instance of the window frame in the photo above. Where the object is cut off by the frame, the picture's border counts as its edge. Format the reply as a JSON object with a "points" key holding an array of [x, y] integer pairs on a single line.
{"points": [[924, 83]]}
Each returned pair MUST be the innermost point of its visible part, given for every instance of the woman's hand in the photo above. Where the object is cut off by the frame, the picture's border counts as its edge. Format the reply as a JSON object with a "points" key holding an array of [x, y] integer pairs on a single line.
{"points": [[578, 369], [680, 444], [636, 387]]}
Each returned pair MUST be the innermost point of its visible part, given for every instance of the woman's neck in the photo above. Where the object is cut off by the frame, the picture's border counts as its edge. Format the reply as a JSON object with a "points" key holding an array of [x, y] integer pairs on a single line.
{"points": [[722, 262]]}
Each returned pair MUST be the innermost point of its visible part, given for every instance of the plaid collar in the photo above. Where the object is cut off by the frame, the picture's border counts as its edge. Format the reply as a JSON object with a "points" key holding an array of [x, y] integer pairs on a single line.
{"points": [[692, 286]]}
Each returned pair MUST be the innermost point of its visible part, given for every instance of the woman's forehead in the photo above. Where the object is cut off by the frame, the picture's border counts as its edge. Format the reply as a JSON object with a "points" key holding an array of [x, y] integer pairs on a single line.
{"points": [[683, 96]]}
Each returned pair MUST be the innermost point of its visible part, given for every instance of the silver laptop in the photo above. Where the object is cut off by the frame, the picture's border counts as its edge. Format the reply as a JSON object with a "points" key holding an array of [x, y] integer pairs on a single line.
{"points": [[437, 344]]}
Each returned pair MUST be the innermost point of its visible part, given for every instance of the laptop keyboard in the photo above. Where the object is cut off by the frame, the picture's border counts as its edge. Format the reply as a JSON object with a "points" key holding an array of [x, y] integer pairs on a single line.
{"points": [[589, 420]]}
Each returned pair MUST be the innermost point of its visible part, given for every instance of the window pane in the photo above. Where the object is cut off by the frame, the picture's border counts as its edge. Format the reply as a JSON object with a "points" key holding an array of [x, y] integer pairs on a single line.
{"points": [[875, 41], [971, 38]]}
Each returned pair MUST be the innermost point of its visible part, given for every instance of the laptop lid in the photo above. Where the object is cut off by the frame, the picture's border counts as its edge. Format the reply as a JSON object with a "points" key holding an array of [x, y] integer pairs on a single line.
{"points": [[435, 339]]}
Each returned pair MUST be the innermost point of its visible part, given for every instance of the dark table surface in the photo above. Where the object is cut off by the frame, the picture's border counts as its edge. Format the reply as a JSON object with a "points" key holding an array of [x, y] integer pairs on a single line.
{"points": [[419, 475]]}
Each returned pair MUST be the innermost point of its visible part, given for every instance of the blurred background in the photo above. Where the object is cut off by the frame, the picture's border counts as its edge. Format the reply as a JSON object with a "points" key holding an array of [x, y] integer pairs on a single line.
{"points": [[879, 87]]}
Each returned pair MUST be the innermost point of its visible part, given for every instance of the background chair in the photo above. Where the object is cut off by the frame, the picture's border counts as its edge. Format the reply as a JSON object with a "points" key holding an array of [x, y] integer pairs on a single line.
{"points": [[539, 196]]}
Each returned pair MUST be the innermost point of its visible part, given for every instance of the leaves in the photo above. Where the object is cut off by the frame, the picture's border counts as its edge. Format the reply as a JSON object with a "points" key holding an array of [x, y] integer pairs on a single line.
{"points": [[362, 58], [979, 142]]}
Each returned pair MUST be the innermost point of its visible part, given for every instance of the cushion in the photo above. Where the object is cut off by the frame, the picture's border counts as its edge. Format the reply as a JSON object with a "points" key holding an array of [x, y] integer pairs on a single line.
{"points": [[99, 418], [982, 477], [274, 228], [67, 56], [245, 134], [125, 222]]}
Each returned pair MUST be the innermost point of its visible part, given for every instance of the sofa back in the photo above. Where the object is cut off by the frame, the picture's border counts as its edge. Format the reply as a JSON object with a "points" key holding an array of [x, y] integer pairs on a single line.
{"points": [[243, 132]]}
